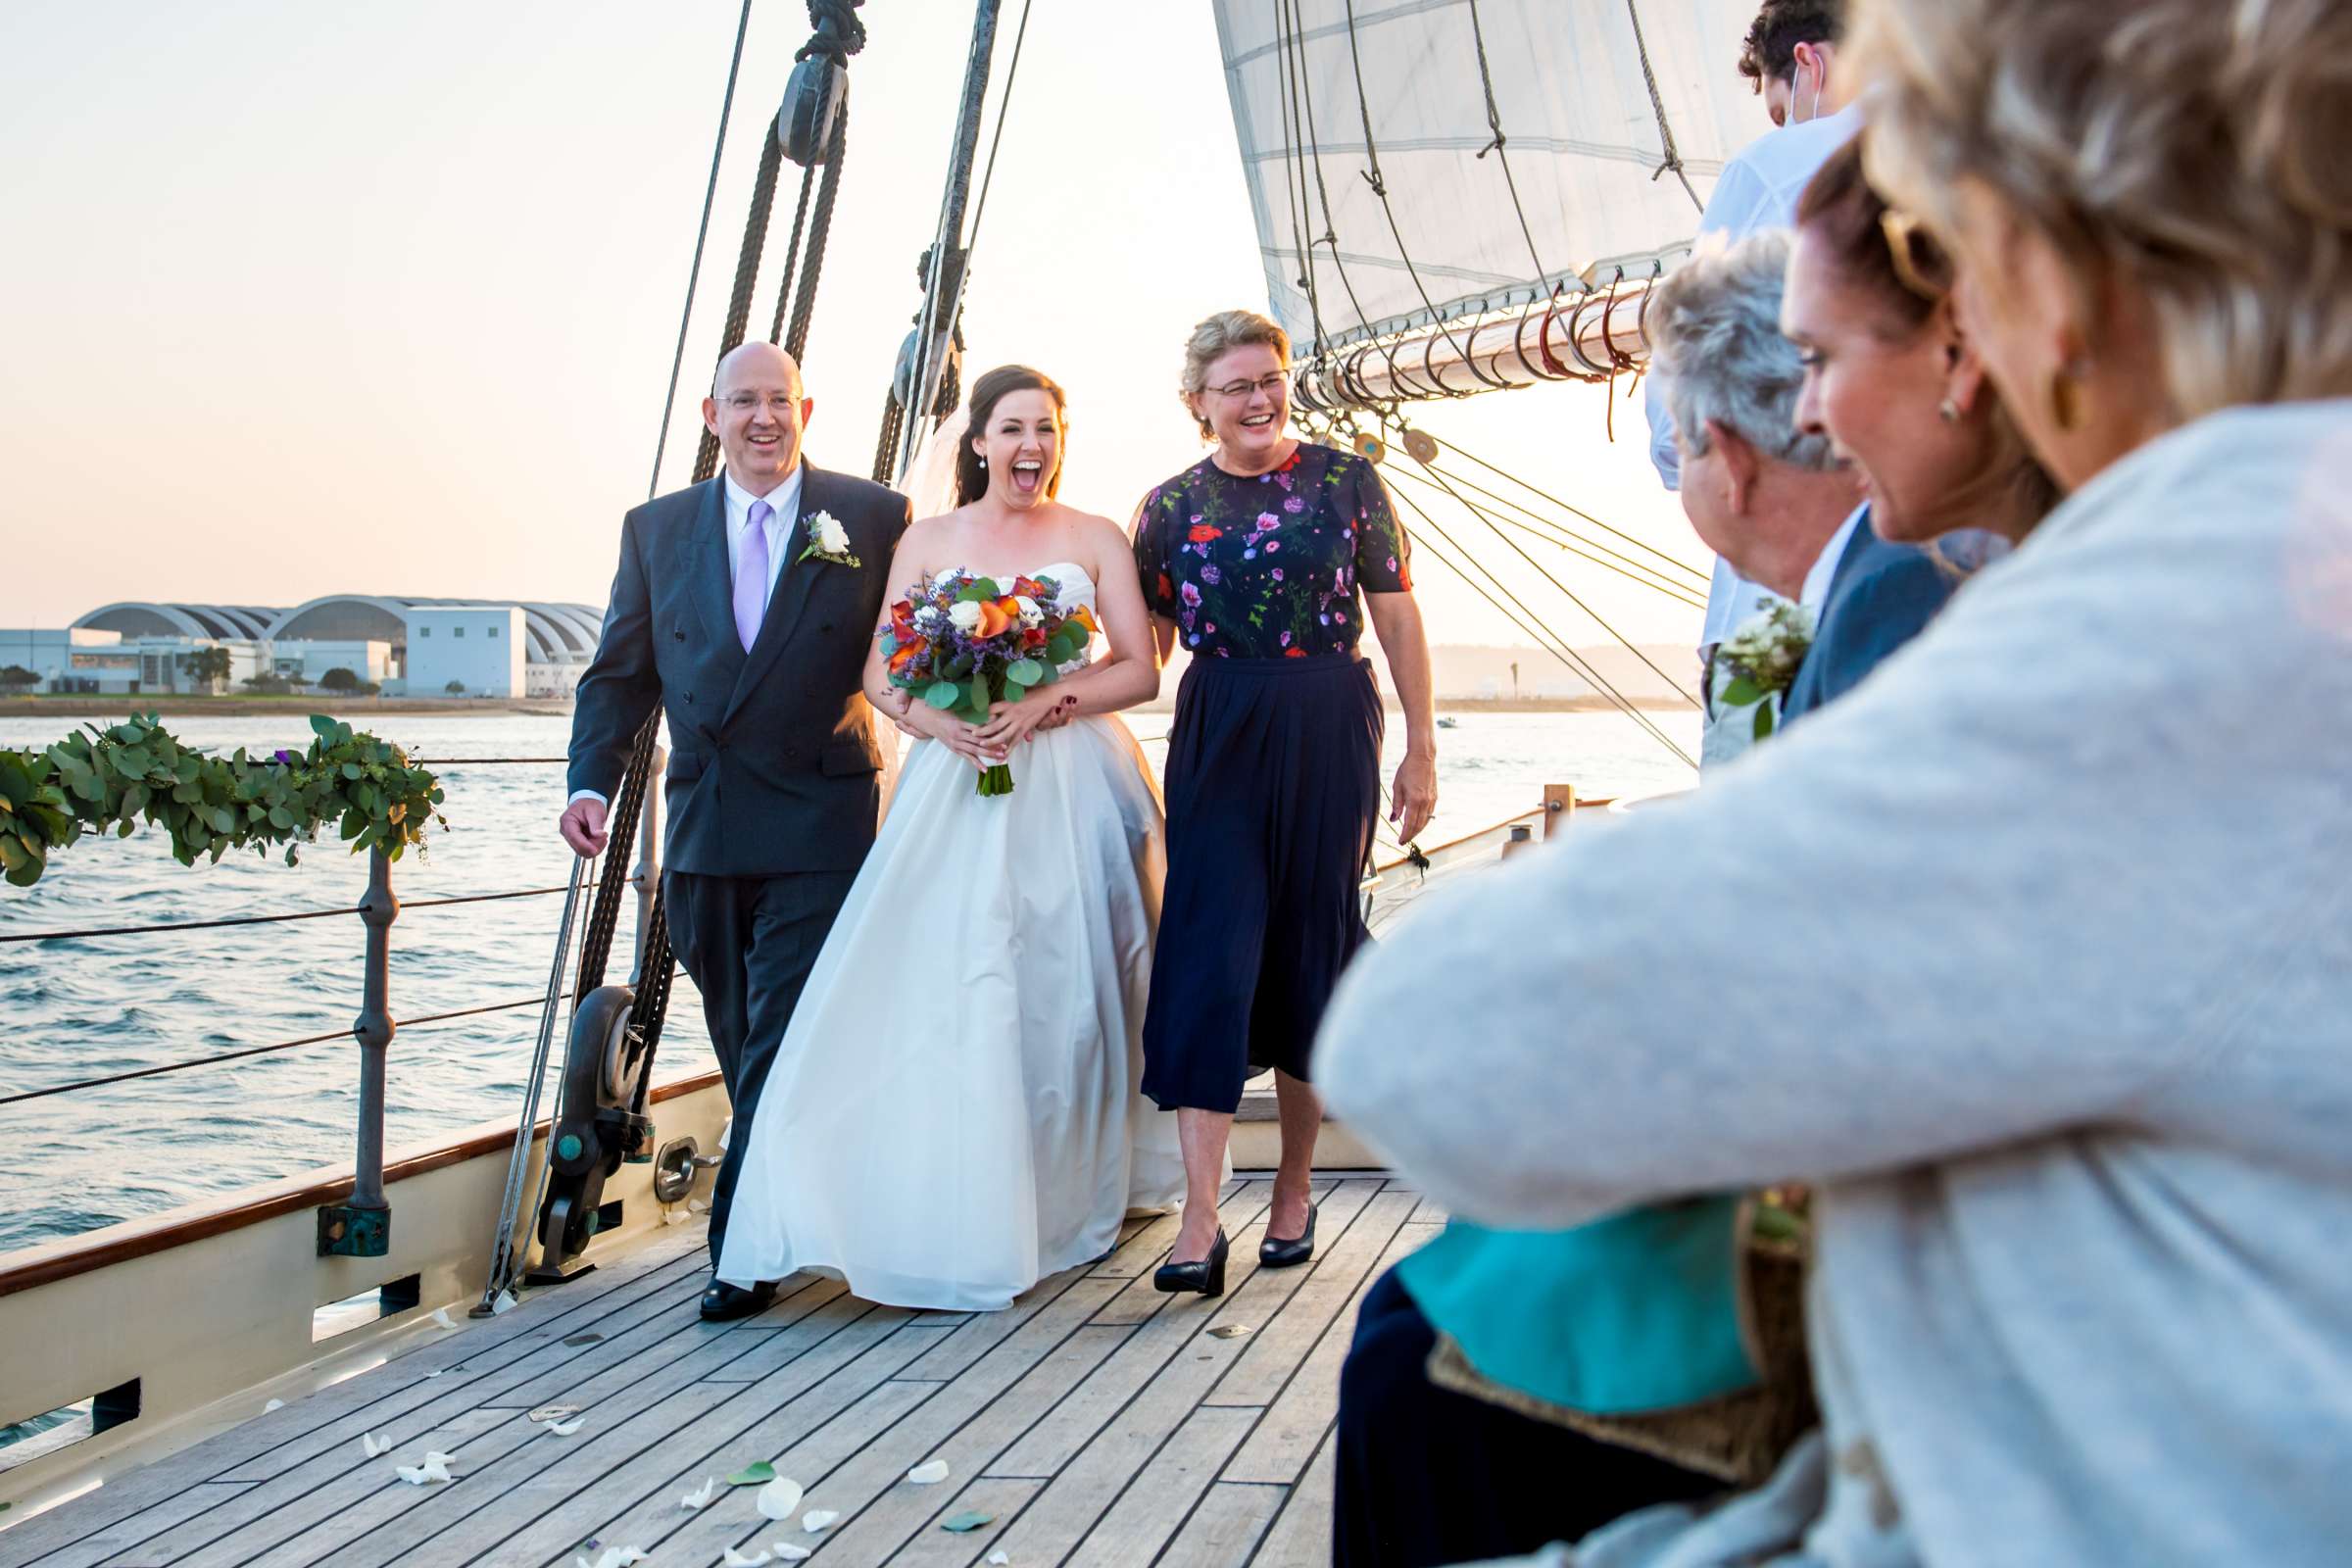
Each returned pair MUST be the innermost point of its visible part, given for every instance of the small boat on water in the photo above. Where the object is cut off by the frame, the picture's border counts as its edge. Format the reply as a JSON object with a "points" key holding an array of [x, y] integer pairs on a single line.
{"points": [[485, 1348]]}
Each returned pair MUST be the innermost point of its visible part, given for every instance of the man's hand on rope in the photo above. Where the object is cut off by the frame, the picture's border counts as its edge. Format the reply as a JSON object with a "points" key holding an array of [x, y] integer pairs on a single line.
{"points": [[582, 825]]}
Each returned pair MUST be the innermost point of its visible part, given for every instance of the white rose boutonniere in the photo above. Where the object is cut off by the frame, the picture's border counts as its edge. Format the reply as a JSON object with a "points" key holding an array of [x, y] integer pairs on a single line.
{"points": [[828, 539], [1756, 665]]}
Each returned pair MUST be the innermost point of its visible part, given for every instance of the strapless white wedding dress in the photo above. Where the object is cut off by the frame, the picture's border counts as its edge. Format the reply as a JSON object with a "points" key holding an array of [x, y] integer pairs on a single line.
{"points": [[954, 1113]]}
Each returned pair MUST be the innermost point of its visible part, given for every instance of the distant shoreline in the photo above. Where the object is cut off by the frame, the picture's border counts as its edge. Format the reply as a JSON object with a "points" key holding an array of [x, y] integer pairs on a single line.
{"points": [[65, 706], [86, 708]]}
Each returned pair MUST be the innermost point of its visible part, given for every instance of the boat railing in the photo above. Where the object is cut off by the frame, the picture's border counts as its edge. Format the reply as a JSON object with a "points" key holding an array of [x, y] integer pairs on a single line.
{"points": [[361, 1226]]}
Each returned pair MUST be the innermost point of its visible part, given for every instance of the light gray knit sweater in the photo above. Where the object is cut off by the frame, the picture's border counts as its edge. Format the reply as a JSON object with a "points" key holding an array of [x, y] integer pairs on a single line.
{"points": [[2043, 940]]}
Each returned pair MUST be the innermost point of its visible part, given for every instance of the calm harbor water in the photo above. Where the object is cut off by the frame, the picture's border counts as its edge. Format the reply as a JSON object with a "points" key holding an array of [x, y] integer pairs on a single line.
{"points": [[74, 1010]]}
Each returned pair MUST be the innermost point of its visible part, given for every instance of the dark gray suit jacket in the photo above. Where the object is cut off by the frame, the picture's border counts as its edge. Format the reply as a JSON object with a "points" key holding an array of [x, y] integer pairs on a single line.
{"points": [[772, 761], [1881, 596]]}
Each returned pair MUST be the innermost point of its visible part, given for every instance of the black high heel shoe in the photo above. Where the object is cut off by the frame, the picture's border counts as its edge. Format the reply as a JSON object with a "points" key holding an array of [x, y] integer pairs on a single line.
{"points": [[1272, 1253], [1205, 1278]]}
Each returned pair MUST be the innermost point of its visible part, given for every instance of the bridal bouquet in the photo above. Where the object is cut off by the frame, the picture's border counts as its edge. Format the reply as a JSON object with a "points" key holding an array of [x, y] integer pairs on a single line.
{"points": [[962, 643]]}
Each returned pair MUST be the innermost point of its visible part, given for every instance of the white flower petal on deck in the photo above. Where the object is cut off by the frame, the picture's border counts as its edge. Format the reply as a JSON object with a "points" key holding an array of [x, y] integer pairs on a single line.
{"points": [[435, 1468], [442, 1317], [564, 1428], [816, 1519], [273, 1404], [1229, 1331], [780, 1499], [786, 1552], [997, 1559], [373, 1446], [735, 1559], [929, 1475], [700, 1495], [503, 1302]]}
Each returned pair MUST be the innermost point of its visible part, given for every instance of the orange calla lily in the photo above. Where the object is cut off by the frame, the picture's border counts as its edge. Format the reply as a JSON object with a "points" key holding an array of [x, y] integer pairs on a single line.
{"points": [[907, 654], [1084, 617], [994, 618]]}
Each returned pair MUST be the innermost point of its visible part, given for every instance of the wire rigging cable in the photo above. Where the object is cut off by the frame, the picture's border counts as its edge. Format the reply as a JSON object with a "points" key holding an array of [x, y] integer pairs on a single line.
{"points": [[693, 273]]}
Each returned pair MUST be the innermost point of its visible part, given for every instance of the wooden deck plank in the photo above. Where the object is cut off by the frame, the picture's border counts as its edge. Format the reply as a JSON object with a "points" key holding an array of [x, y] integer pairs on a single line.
{"points": [[1225, 1529], [1279, 1450], [298, 1477], [1252, 1297], [900, 1514], [411, 1377], [934, 1547], [369, 1515], [1150, 1391], [101, 1546], [1149, 1514], [1276, 1350], [636, 1502], [1302, 1534], [882, 1464], [982, 1332]]}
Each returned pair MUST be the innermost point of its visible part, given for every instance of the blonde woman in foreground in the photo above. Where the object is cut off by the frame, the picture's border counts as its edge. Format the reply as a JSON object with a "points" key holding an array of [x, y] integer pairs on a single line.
{"points": [[2058, 1016]]}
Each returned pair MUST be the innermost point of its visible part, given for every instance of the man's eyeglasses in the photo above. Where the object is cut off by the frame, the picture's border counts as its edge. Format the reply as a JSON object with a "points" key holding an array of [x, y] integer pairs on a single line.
{"points": [[1268, 384], [746, 402]]}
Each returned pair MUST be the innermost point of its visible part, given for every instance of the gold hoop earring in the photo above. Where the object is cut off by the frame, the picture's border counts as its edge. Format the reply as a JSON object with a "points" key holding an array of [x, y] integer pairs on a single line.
{"points": [[2066, 396]]}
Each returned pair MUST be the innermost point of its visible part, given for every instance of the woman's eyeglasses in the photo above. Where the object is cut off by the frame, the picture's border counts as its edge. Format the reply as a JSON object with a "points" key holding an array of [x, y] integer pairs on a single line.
{"points": [[1268, 384]]}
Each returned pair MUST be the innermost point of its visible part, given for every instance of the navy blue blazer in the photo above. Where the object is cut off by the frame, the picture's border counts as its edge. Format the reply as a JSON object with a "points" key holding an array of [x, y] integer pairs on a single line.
{"points": [[1881, 596], [772, 761]]}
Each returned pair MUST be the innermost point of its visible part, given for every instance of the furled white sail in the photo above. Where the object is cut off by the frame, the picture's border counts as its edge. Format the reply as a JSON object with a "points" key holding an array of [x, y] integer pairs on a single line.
{"points": [[1616, 117]]}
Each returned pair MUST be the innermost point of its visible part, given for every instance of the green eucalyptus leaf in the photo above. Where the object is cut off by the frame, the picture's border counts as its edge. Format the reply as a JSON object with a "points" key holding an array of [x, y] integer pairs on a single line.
{"points": [[1027, 671], [1014, 691], [324, 727], [1741, 692], [942, 694], [1763, 724]]}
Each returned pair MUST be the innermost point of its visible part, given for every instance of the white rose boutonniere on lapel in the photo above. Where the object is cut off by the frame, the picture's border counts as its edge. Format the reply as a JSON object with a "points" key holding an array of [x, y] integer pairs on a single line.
{"points": [[828, 539]]}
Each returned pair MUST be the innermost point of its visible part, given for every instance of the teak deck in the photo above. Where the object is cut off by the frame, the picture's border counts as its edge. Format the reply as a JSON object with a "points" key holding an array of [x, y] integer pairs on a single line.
{"points": [[1097, 1421]]}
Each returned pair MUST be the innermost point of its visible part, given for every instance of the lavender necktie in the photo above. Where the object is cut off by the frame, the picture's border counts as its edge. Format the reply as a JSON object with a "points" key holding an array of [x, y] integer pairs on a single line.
{"points": [[751, 577]]}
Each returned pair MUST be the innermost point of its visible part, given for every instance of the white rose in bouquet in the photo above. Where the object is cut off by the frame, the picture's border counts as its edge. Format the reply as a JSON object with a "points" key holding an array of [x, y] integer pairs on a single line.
{"points": [[1030, 613], [965, 613]]}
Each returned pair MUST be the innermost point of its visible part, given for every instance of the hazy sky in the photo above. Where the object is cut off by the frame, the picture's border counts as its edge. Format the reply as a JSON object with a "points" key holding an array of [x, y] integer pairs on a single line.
{"points": [[306, 297]]}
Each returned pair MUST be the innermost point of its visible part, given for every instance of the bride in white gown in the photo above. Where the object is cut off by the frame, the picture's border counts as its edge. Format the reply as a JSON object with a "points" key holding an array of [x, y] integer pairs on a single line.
{"points": [[954, 1114]]}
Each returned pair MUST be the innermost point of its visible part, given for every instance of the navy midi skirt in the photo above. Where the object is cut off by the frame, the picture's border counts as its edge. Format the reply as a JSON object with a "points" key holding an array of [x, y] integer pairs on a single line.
{"points": [[1273, 787]]}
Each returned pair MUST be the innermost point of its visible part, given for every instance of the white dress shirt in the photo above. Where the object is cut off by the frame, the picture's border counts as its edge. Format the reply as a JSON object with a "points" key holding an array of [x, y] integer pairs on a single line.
{"points": [[1759, 189], [1824, 565], [784, 499], [785, 504]]}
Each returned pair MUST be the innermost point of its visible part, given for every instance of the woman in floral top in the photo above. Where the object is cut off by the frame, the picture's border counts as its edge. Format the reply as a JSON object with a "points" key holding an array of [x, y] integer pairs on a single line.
{"points": [[1263, 561]]}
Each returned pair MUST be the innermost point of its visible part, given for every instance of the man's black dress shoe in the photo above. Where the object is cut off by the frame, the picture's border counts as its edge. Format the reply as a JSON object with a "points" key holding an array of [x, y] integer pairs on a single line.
{"points": [[725, 1304], [1205, 1278], [1272, 1253]]}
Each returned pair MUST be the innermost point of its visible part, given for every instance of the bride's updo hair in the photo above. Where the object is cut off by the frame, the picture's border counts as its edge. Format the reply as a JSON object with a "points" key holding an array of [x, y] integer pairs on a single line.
{"points": [[971, 479], [2189, 151]]}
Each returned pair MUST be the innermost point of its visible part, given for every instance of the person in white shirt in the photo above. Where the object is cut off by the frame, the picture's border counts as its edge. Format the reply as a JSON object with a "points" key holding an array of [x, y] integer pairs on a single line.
{"points": [[1788, 54]]}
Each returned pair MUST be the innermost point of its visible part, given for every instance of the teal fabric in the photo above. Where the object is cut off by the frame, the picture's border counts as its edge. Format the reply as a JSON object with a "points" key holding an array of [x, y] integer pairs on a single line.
{"points": [[1635, 1312]]}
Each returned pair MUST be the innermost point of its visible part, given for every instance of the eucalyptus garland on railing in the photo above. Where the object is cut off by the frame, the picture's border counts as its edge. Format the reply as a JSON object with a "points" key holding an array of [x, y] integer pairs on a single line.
{"points": [[114, 778]]}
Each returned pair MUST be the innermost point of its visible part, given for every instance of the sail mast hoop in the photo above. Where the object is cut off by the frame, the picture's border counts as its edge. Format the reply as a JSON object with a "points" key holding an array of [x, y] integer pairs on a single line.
{"points": [[1429, 179]]}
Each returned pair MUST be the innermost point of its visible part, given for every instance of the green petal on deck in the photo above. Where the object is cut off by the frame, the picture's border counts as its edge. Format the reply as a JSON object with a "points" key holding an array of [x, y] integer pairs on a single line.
{"points": [[967, 1521]]}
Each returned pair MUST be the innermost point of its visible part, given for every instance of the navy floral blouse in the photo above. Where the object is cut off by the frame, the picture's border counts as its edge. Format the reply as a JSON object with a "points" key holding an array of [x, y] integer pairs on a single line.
{"points": [[1271, 568]]}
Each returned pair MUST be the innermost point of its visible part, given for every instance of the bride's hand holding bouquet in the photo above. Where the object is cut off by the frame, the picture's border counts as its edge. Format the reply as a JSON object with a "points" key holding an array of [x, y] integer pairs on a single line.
{"points": [[972, 650]]}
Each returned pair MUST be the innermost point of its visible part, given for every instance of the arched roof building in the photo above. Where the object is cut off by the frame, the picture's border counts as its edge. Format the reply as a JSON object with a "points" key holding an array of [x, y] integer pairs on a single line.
{"points": [[554, 633], [135, 618]]}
